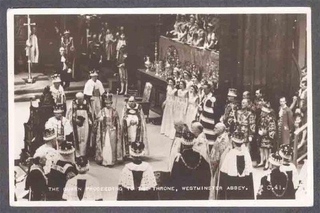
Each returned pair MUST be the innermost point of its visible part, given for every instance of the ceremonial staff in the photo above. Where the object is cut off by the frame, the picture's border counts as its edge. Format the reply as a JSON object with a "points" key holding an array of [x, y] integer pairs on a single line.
{"points": [[29, 80]]}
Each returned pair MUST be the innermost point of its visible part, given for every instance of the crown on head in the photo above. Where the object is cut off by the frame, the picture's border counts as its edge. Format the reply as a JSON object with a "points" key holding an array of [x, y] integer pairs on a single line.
{"points": [[94, 72], [56, 78], [82, 161], [66, 148], [232, 92], [107, 96], [238, 137], [275, 159], [188, 137], [58, 108], [49, 134], [66, 32], [286, 151], [137, 148]]}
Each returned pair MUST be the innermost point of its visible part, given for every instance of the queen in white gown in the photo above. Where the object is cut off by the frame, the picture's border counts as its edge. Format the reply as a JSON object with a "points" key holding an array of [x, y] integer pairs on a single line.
{"points": [[192, 108], [167, 123]]}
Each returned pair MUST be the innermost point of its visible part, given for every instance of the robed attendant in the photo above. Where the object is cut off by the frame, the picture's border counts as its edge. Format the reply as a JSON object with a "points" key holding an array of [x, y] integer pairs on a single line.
{"points": [[206, 111], [109, 148], [230, 112], [133, 126], [48, 149], [82, 187], [32, 49], [37, 182], [62, 171], [93, 90], [57, 90], [235, 178], [60, 124], [137, 180], [217, 154], [81, 120], [276, 184], [246, 122], [190, 169], [286, 152]]}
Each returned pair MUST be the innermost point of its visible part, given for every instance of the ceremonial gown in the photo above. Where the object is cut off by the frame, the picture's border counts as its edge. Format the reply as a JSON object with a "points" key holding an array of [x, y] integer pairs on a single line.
{"points": [[60, 173], [192, 109], [276, 185], [190, 176], [80, 117], [134, 128], [52, 156], [235, 178], [108, 138], [34, 49], [62, 127], [230, 115], [93, 91], [36, 183], [207, 116], [292, 173], [58, 95], [137, 182], [82, 187], [167, 124], [216, 156], [267, 122], [246, 123]]}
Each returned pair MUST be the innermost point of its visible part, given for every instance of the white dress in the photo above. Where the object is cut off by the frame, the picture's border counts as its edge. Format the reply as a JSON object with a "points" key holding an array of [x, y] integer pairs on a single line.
{"points": [[192, 109], [167, 123], [94, 90], [180, 109]]}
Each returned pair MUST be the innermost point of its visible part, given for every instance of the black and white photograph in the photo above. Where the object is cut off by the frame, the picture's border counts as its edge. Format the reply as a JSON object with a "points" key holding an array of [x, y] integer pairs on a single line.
{"points": [[160, 107]]}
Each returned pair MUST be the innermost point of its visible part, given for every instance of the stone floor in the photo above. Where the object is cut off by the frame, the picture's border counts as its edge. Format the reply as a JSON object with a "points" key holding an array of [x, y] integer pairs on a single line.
{"points": [[108, 177]]}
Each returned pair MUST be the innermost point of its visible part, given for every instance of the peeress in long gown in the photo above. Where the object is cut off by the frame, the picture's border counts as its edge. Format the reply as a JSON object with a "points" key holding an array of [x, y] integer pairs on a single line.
{"points": [[192, 108], [180, 106], [167, 119]]}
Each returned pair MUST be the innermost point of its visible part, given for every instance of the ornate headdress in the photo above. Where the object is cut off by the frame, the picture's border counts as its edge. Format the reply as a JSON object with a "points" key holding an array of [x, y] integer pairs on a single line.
{"points": [[66, 32], [66, 148], [107, 97], [79, 95], [93, 72], [137, 149], [188, 137], [56, 78], [58, 108], [232, 92], [286, 151], [82, 164], [49, 134], [238, 137], [275, 159]]}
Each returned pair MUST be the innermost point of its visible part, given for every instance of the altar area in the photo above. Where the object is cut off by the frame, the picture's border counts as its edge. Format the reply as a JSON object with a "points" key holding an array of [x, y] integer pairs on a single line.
{"points": [[193, 59]]}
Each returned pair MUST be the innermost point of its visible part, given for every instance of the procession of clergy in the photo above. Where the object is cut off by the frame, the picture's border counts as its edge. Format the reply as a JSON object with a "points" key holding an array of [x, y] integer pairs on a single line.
{"points": [[209, 159], [211, 153]]}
